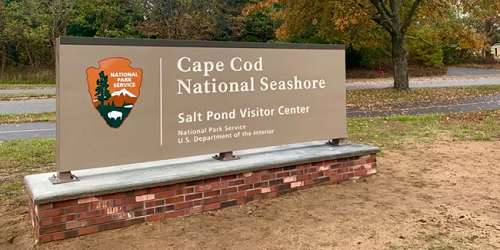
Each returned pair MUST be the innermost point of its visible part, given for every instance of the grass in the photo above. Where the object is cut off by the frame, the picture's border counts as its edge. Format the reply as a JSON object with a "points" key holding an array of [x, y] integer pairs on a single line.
{"points": [[28, 77], [4, 85], [395, 131], [19, 158], [27, 117], [15, 97], [22, 157], [382, 98]]}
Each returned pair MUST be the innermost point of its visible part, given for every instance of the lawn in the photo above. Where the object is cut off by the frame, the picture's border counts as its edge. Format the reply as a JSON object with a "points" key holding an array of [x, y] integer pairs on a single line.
{"points": [[27, 117], [374, 99], [20, 97]]}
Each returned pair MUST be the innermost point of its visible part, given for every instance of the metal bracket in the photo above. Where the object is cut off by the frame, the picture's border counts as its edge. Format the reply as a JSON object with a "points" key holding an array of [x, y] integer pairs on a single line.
{"points": [[226, 156], [334, 142], [63, 177]]}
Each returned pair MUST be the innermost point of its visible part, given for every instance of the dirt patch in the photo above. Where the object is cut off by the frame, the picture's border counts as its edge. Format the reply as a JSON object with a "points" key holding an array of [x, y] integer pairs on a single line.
{"points": [[427, 196]]}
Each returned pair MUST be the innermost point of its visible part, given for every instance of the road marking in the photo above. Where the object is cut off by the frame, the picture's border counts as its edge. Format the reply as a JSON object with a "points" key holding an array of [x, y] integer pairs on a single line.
{"points": [[26, 131]]}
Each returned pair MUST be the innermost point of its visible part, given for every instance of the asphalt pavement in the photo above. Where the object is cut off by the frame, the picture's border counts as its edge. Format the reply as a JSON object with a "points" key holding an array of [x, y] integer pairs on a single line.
{"points": [[27, 130], [28, 106], [29, 91]]}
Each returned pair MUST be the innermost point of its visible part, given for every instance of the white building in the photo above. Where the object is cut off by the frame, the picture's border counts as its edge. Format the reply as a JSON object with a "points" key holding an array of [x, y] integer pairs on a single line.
{"points": [[495, 50]]}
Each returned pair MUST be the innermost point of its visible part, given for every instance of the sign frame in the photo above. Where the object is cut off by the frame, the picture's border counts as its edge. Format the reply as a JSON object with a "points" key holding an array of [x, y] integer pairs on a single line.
{"points": [[62, 41]]}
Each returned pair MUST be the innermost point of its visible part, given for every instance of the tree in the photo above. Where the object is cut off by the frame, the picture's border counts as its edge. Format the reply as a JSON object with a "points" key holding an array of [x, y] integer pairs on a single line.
{"points": [[396, 18], [484, 17], [101, 90], [3, 39]]}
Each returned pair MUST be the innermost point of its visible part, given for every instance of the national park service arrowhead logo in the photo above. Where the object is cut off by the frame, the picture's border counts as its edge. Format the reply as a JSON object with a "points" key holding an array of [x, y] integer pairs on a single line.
{"points": [[114, 88]]}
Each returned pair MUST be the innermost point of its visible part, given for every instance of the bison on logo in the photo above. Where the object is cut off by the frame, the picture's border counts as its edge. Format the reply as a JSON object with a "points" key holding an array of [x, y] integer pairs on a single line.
{"points": [[114, 88]]}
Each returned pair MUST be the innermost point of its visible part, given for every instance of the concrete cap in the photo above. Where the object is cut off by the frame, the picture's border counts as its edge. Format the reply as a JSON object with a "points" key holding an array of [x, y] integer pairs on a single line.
{"points": [[122, 178]]}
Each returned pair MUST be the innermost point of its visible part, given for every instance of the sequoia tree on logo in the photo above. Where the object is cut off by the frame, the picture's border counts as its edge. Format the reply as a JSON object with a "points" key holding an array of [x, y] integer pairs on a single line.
{"points": [[114, 88]]}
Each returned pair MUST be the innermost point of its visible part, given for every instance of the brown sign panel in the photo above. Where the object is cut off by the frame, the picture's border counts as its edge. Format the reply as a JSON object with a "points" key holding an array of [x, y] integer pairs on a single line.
{"points": [[125, 101]]}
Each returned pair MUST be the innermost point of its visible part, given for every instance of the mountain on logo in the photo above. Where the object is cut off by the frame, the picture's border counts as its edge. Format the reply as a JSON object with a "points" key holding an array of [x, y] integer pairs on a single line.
{"points": [[113, 101], [123, 92], [121, 98]]}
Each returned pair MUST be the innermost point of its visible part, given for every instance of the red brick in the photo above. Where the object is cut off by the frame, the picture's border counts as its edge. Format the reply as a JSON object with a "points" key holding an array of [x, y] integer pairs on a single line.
{"points": [[136, 193], [228, 190], [275, 182], [87, 230], [193, 183], [45, 206], [63, 204], [74, 224], [236, 195], [188, 190], [266, 177], [283, 174], [194, 196], [208, 187], [163, 209], [174, 199], [245, 187], [50, 212], [45, 238], [77, 209], [211, 193], [184, 205], [319, 163], [261, 184], [153, 217], [236, 182], [213, 199], [156, 190], [155, 203], [275, 170], [229, 177], [175, 214], [253, 192], [165, 194], [253, 179], [111, 225], [87, 200], [135, 206], [52, 228], [228, 203], [211, 206], [99, 220]]}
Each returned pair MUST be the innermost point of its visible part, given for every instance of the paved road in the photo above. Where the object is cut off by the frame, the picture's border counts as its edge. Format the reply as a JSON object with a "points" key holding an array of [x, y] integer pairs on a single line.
{"points": [[47, 130], [27, 131], [34, 91], [461, 71], [425, 82], [28, 106], [456, 77]]}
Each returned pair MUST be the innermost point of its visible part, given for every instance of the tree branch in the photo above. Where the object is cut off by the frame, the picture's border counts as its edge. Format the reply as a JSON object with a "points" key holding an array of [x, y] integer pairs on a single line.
{"points": [[383, 15], [410, 15]]}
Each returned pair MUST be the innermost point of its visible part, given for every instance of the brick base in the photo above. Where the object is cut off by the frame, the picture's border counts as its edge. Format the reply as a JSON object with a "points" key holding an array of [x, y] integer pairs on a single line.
{"points": [[72, 218]]}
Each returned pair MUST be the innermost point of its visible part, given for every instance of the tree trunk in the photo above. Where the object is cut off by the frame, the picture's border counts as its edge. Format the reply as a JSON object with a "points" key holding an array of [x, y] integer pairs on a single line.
{"points": [[400, 62], [4, 61]]}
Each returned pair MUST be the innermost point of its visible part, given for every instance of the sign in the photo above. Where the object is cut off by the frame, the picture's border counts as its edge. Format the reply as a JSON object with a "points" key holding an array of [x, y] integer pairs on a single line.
{"points": [[123, 101]]}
